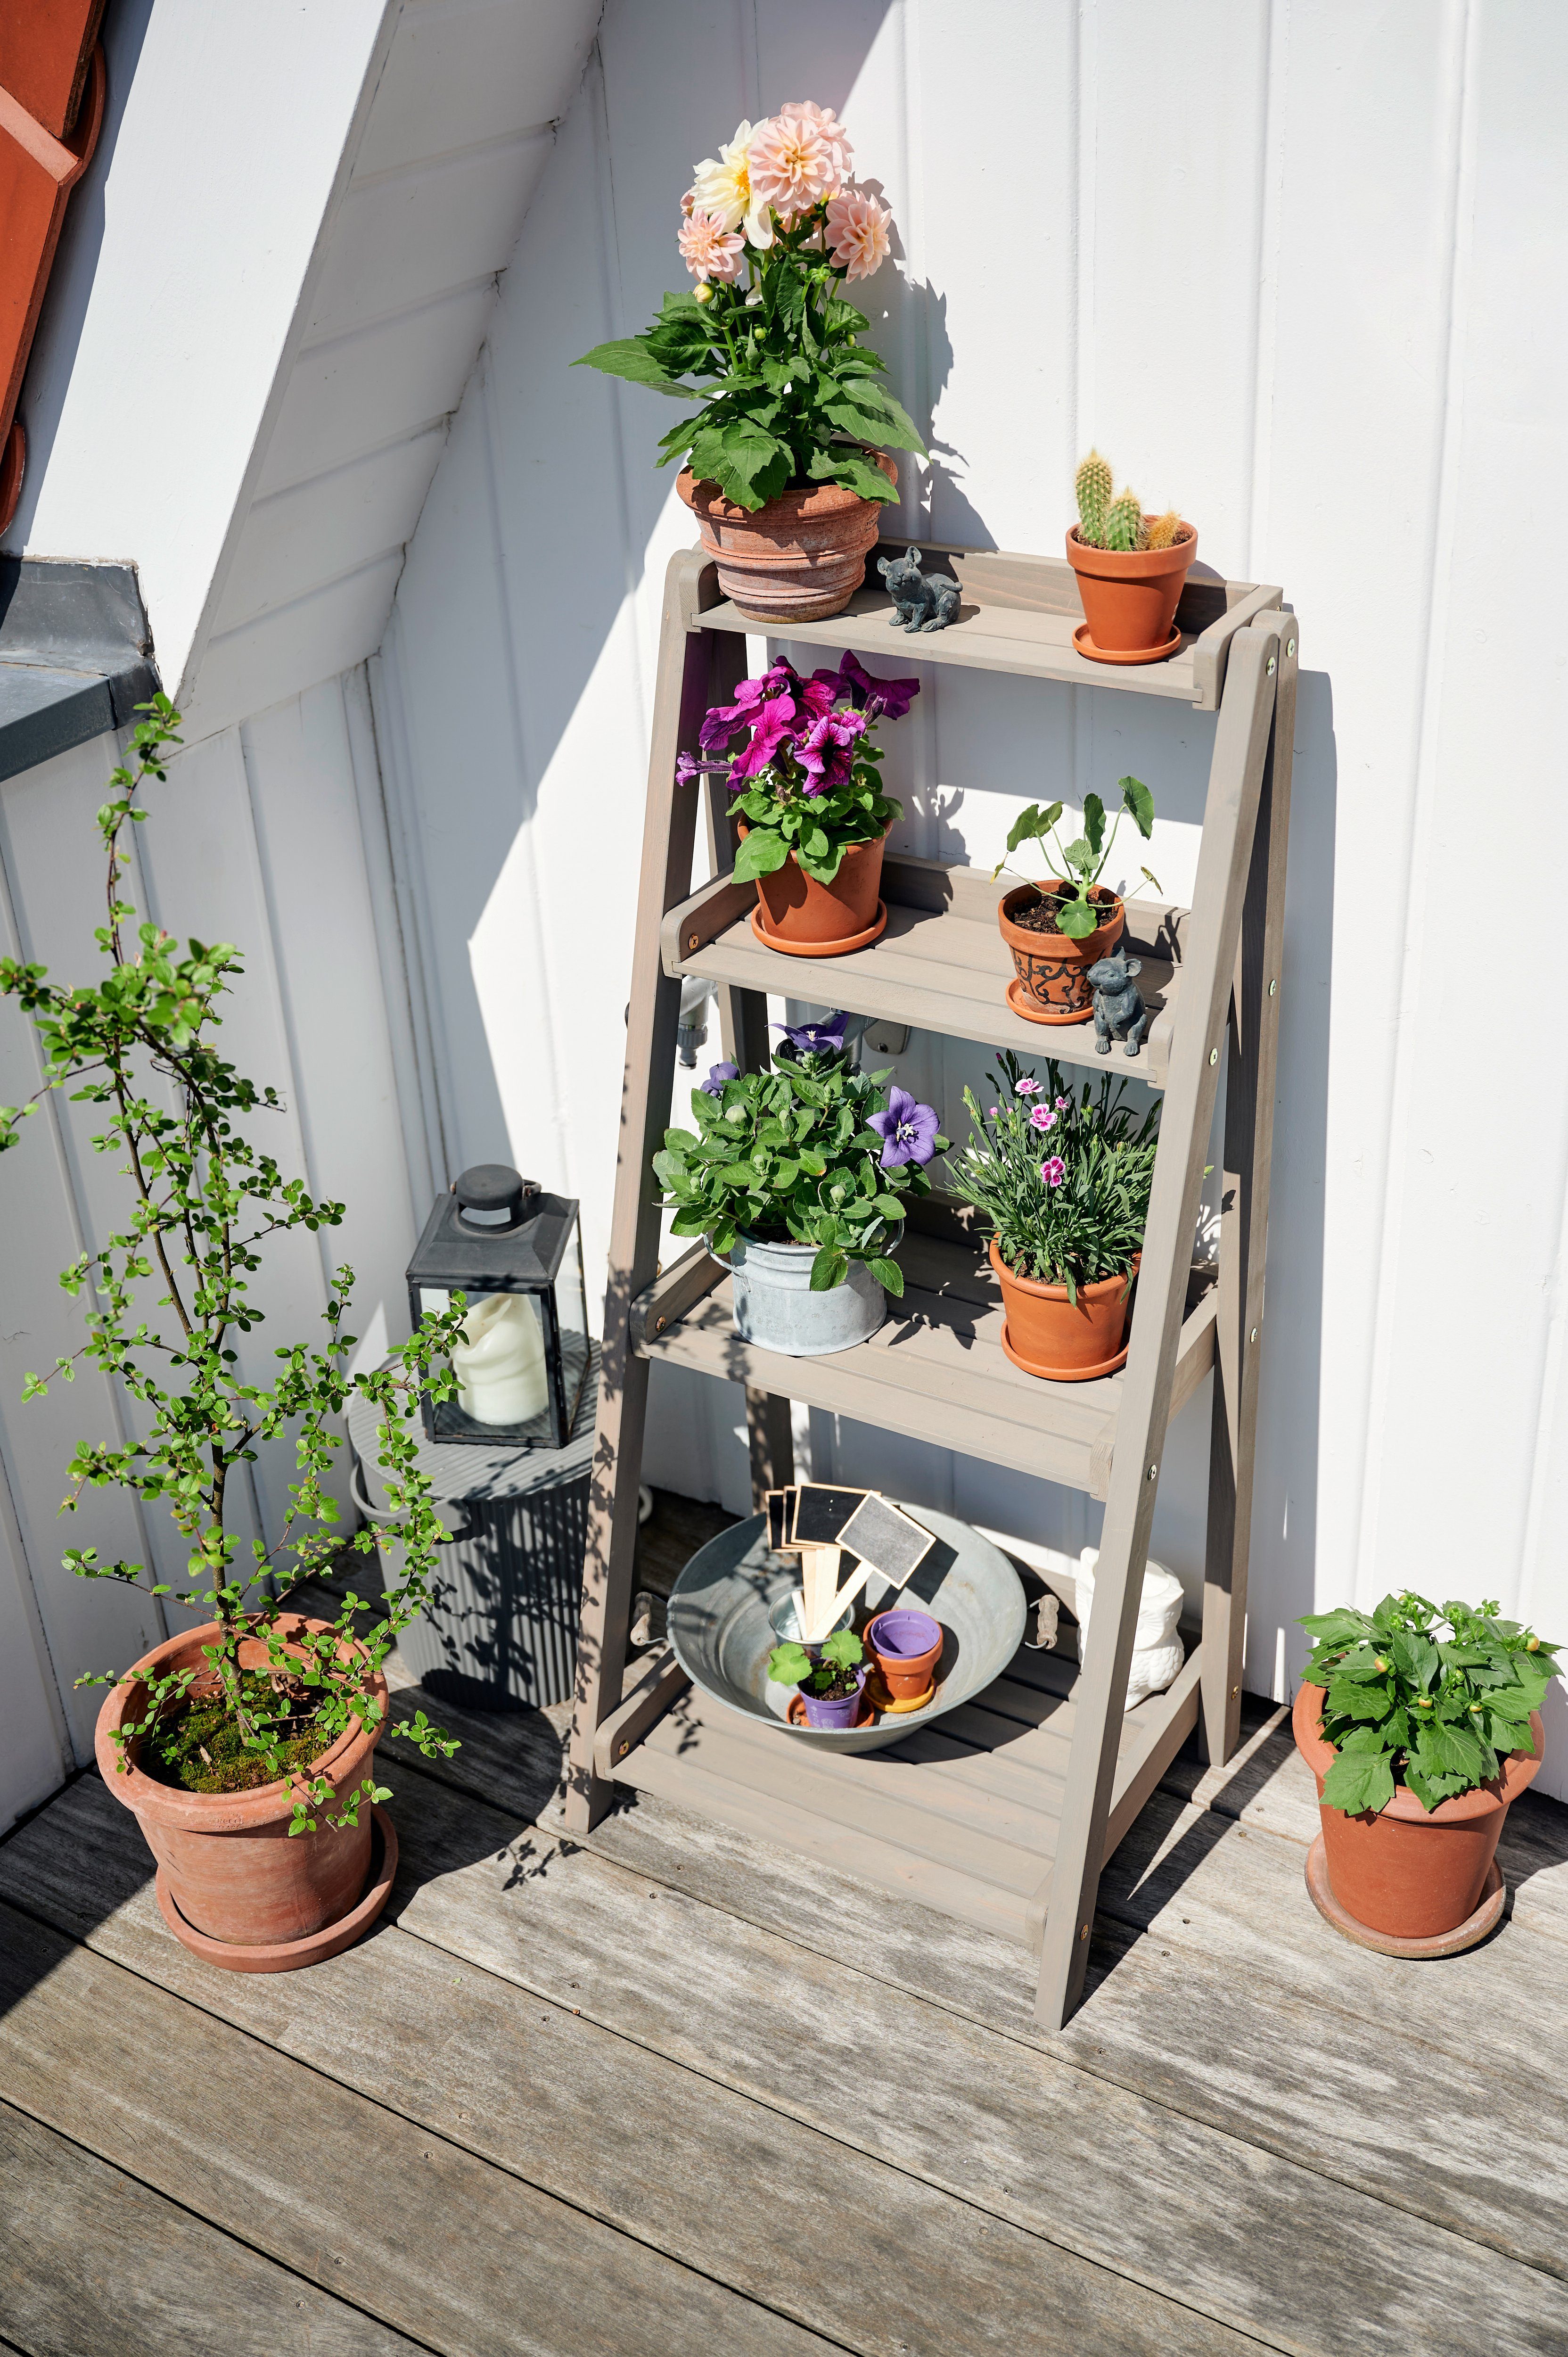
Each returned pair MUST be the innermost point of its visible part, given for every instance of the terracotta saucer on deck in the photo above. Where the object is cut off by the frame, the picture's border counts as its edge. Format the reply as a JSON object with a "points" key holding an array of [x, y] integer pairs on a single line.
{"points": [[1066, 1374], [291, 1955], [1467, 1934], [1018, 1000], [771, 941]]}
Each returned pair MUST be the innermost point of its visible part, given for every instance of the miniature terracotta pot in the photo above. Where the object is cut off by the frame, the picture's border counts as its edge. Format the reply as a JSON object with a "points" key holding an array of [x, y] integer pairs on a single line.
{"points": [[797, 558], [906, 1646], [1052, 969], [1130, 596], [227, 1860], [1059, 1340], [798, 914], [1401, 1871]]}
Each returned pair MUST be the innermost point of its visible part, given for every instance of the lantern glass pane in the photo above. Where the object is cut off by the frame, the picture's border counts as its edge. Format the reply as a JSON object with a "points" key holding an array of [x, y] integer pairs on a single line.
{"points": [[572, 1314]]}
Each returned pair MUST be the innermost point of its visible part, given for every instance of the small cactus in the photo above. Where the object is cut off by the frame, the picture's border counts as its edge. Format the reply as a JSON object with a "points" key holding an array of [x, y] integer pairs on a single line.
{"points": [[1123, 522], [1163, 529], [1093, 484]]}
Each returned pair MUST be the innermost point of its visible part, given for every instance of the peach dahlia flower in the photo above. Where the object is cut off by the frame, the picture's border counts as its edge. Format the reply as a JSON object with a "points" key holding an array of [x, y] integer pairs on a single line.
{"points": [[857, 228], [794, 160], [707, 249]]}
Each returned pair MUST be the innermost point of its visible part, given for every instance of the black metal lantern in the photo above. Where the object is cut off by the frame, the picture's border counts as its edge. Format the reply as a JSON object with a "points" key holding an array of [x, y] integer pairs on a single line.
{"points": [[516, 1254]]}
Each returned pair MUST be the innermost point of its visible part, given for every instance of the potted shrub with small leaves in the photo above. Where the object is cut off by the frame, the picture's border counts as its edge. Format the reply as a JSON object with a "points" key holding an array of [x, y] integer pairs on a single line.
{"points": [[1422, 1727], [1065, 1183], [829, 1679], [1130, 568], [798, 1179], [786, 477], [1061, 927], [231, 1739], [813, 818]]}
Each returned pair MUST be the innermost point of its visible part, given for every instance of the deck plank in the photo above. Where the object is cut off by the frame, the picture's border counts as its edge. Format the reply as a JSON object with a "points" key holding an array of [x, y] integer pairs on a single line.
{"points": [[93, 2263]]}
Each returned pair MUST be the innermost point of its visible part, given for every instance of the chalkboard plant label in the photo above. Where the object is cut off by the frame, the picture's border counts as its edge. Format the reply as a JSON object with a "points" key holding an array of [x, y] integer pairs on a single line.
{"points": [[785, 476], [1059, 929], [830, 1677], [1064, 1179], [1422, 1725], [263, 1721], [1131, 569]]}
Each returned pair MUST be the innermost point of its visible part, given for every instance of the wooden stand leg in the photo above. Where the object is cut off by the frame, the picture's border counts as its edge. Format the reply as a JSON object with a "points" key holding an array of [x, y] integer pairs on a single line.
{"points": [[1240, 746], [1244, 1230]]}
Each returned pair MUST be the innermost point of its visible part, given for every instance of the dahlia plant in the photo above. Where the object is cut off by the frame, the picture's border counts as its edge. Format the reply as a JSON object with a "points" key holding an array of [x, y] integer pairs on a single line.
{"points": [[806, 776], [771, 231], [1063, 1180]]}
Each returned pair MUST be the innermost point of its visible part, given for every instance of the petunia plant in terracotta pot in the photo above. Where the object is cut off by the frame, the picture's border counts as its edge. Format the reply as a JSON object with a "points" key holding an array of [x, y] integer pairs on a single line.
{"points": [[245, 1745], [787, 469], [1058, 928], [799, 1178], [1422, 1725], [829, 1678], [1064, 1182], [809, 800], [1131, 569]]}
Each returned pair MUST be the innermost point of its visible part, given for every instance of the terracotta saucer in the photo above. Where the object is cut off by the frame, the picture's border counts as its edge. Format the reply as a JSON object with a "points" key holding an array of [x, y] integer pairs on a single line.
{"points": [[863, 1718], [291, 1955], [1066, 1374], [1018, 1000], [821, 949], [1086, 645], [1447, 1943], [876, 1688]]}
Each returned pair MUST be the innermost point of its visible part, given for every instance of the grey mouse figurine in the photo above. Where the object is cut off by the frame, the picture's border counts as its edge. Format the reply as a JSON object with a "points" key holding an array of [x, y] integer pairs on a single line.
{"points": [[921, 602], [1119, 1009]]}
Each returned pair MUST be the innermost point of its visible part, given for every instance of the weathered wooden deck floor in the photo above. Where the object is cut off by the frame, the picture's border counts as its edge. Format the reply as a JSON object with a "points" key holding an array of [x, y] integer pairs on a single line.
{"points": [[667, 2094]]}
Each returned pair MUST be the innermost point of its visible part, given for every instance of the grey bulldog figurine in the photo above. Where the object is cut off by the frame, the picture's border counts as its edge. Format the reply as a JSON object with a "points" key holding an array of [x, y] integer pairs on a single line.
{"points": [[921, 602], [1119, 1009]]}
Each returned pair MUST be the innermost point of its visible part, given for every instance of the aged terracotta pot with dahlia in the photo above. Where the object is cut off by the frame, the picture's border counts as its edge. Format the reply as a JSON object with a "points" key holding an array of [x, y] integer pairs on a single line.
{"points": [[787, 468]]}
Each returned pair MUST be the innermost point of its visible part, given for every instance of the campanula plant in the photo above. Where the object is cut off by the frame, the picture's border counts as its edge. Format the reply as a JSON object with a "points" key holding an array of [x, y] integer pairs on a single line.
{"points": [[809, 1153], [805, 777]]}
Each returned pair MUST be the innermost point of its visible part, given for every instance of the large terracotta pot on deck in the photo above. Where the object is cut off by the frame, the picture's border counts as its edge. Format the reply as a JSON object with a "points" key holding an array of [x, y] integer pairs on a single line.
{"points": [[797, 914], [1050, 971], [1401, 1871], [1130, 596], [227, 1862], [797, 558], [1063, 1341]]}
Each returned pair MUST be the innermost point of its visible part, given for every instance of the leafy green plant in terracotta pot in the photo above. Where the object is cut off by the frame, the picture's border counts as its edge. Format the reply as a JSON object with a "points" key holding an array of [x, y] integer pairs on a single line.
{"points": [[1422, 1725], [264, 1720], [1131, 569], [1064, 1182], [1061, 926], [787, 442]]}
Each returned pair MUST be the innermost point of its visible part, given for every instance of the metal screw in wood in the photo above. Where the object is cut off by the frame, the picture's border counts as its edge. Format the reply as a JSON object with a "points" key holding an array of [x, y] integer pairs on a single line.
{"points": [[1214, 1055]]}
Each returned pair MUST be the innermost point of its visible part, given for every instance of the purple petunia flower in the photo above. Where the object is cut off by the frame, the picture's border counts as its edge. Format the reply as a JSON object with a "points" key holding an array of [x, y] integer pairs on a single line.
{"points": [[826, 751], [1053, 1170], [908, 1130], [824, 1038], [774, 730], [714, 1086], [1026, 1088], [1042, 1117], [890, 697]]}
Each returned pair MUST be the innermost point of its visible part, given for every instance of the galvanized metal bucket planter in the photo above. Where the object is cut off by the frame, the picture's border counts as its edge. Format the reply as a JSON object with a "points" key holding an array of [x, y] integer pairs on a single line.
{"points": [[776, 1309]]}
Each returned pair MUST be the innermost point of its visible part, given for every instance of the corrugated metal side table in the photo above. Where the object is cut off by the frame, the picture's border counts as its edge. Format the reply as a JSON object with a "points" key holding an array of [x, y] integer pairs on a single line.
{"points": [[502, 1632]]}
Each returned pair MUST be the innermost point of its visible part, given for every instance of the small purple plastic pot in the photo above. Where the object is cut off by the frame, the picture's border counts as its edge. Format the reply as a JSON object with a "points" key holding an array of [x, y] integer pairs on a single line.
{"points": [[840, 1711]]}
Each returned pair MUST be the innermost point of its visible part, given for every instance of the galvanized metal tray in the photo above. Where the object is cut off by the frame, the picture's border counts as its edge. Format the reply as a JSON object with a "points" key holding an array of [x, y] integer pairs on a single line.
{"points": [[718, 1624]]}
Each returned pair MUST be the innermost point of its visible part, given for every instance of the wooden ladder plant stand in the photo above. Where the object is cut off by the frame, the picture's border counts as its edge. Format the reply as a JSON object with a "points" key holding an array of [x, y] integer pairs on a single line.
{"points": [[1003, 1811]]}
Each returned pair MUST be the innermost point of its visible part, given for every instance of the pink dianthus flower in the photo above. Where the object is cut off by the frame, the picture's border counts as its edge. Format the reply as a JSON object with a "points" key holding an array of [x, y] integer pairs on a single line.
{"points": [[1026, 1088], [708, 249], [1042, 1117], [1053, 1170], [857, 229]]}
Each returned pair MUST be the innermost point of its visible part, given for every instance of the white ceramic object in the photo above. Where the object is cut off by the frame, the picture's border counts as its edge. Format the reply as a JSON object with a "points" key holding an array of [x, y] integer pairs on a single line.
{"points": [[1157, 1650], [500, 1363]]}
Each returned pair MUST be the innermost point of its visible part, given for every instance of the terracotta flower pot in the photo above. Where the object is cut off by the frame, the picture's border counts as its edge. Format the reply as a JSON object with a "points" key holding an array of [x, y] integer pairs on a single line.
{"points": [[797, 558], [1047, 1334], [227, 1859], [1401, 1871], [1050, 981], [905, 1646], [1130, 596], [797, 914]]}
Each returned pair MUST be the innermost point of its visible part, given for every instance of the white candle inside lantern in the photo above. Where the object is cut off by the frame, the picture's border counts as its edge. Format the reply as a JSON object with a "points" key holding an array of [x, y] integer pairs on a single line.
{"points": [[499, 1365]]}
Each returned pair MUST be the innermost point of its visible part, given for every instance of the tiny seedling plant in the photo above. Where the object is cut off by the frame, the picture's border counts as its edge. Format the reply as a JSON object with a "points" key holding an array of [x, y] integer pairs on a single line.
{"points": [[168, 1306], [1080, 863], [830, 1673], [1407, 1704]]}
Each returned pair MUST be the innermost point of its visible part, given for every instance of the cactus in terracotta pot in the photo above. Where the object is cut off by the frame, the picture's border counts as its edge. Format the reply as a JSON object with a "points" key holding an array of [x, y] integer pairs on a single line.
{"points": [[1130, 568], [1124, 523], [1160, 532], [1093, 484]]}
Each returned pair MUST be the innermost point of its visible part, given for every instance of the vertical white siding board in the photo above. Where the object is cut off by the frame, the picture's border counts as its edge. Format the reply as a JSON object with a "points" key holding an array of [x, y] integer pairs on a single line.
{"points": [[428, 1123], [36, 1753]]}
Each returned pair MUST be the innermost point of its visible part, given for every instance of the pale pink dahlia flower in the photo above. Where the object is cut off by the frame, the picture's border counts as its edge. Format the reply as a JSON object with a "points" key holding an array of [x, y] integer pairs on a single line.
{"points": [[829, 130], [793, 164], [858, 233], [708, 250]]}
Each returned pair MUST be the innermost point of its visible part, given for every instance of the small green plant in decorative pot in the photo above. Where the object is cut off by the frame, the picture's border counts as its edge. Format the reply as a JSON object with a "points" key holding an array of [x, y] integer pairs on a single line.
{"points": [[264, 1720], [1131, 569], [829, 1677], [1063, 1180], [800, 1178], [1061, 927], [1422, 1725]]}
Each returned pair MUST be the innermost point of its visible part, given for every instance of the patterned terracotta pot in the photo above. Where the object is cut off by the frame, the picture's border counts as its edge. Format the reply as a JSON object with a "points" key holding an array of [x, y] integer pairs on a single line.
{"points": [[1052, 969], [1130, 596], [1401, 1871], [797, 558]]}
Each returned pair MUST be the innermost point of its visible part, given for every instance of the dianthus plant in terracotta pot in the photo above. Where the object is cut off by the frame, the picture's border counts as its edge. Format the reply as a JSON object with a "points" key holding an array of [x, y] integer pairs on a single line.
{"points": [[808, 797], [800, 1178], [787, 469], [1064, 1182], [1061, 926], [1422, 1725], [245, 1745]]}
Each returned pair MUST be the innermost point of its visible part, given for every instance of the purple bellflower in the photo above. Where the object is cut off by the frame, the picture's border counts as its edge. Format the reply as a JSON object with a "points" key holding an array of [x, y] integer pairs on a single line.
{"points": [[714, 1086], [825, 1038], [908, 1130]]}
